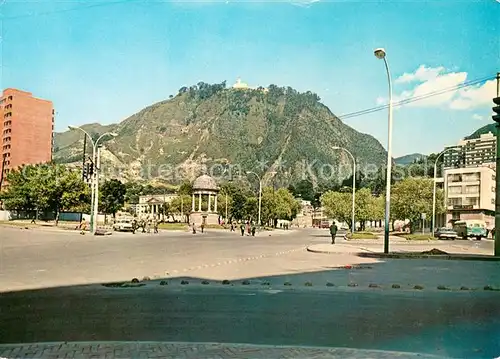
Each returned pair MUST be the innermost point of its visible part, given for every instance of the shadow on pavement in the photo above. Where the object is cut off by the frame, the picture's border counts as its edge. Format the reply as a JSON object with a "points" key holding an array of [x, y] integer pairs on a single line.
{"points": [[353, 307]]}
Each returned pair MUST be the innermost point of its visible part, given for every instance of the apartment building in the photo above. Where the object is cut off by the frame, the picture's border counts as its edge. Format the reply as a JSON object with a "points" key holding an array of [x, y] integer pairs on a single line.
{"points": [[27, 130], [471, 153], [470, 194]]}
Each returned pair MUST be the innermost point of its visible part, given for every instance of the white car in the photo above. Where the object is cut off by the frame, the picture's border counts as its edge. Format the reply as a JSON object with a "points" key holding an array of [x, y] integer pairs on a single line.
{"points": [[123, 225]]}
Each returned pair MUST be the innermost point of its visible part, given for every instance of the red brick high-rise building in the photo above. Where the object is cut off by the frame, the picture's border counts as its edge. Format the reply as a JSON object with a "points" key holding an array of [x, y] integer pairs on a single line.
{"points": [[27, 127]]}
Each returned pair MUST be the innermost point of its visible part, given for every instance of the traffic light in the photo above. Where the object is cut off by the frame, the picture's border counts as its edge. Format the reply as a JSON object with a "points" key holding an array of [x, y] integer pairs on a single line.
{"points": [[84, 172], [496, 109]]}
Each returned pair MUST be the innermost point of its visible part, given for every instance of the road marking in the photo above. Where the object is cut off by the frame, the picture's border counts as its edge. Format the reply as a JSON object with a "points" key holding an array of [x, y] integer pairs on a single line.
{"points": [[238, 260]]}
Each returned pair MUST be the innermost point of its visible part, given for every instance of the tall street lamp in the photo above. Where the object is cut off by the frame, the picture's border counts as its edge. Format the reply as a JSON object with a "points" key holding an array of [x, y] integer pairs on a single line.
{"points": [[95, 177], [353, 218], [434, 190], [380, 54], [260, 193]]}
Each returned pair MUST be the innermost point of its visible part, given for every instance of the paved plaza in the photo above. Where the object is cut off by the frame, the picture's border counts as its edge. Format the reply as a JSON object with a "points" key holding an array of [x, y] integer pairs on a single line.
{"points": [[219, 287]]}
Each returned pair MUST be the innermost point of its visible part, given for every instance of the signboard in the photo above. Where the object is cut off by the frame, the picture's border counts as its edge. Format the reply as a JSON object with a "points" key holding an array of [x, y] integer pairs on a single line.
{"points": [[423, 215]]}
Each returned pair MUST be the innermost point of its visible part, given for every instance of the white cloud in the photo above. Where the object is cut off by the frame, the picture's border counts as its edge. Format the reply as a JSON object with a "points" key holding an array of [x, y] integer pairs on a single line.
{"points": [[474, 96], [440, 86], [423, 73], [477, 117]]}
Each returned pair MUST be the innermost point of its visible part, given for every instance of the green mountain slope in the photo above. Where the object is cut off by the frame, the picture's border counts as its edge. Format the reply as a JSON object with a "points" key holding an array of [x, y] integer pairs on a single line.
{"points": [[485, 129], [408, 159], [207, 126]]}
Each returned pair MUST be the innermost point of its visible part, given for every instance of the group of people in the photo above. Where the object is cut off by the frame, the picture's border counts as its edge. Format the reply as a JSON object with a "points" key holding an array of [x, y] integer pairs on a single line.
{"points": [[145, 224]]}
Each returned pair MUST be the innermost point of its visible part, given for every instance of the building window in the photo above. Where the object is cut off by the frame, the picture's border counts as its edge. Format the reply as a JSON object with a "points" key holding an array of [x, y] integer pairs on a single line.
{"points": [[471, 189], [474, 201], [455, 178], [455, 190], [455, 201], [9, 98]]}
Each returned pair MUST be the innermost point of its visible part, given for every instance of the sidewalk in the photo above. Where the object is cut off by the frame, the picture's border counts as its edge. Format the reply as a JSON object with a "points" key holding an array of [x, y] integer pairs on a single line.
{"points": [[398, 247], [187, 350]]}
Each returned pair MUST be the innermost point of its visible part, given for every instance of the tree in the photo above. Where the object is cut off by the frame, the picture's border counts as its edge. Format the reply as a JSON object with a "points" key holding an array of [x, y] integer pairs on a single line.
{"points": [[186, 188], [45, 187], [338, 205], [367, 207], [112, 196], [305, 190], [413, 196], [181, 205]]}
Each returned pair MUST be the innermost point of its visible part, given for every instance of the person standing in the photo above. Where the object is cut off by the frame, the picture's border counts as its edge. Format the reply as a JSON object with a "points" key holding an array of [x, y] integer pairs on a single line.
{"points": [[202, 227], [242, 228], [333, 231], [155, 225]]}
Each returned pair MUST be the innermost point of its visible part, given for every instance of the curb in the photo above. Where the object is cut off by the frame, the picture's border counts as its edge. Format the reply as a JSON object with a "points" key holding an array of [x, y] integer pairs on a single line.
{"points": [[355, 251], [460, 257]]}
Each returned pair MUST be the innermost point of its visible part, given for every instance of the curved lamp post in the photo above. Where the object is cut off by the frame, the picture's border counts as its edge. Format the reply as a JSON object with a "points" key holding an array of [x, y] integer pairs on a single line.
{"points": [[353, 218], [381, 54], [95, 177], [260, 192]]}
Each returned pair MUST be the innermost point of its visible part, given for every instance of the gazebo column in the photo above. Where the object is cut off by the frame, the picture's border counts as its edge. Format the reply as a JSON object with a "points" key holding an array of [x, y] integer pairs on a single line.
{"points": [[209, 202], [193, 208], [215, 210], [199, 203]]}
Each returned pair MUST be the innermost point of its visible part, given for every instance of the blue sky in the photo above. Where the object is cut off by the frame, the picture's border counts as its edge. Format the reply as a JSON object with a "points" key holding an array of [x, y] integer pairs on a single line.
{"points": [[101, 62]]}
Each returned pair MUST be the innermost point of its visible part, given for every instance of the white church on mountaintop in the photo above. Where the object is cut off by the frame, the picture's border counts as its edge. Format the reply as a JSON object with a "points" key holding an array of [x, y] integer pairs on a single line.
{"points": [[239, 85]]}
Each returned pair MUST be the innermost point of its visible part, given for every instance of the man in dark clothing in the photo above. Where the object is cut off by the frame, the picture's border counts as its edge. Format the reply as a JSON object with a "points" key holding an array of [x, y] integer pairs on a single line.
{"points": [[242, 228], [333, 231]]}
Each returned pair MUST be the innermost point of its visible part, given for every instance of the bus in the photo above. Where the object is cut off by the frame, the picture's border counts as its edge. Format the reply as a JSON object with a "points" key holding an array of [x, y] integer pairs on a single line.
{"points": [[471, 228]]}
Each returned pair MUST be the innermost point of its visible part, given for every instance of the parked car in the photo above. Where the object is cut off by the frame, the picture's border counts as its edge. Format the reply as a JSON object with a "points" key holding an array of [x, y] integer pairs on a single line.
{"points": [[123, 225], [446, 233]]}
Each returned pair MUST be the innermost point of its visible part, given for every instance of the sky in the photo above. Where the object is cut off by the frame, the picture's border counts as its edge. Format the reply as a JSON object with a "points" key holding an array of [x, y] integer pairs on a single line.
{"points": [[102, 61]]}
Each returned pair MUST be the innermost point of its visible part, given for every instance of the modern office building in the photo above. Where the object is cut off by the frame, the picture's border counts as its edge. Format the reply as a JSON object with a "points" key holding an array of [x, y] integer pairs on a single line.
{"points": [[471, 153], [27, 130], [470, 194]]}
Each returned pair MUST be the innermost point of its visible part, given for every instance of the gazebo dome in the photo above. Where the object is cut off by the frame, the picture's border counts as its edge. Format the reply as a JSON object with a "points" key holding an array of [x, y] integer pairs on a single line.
{"points": [[205, 182]]}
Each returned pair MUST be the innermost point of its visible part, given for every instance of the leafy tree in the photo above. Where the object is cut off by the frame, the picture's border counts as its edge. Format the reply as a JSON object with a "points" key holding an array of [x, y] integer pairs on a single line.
{"points": [[338, 205], [181, 205], [305, 190], [413, 196], [186, 188], [132, 191], [251, 208], [45, 187], [112, 196]]}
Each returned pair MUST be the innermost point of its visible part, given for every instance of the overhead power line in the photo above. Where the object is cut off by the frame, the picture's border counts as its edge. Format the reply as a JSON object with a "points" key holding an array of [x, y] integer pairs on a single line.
{"points": [[416, 98]]}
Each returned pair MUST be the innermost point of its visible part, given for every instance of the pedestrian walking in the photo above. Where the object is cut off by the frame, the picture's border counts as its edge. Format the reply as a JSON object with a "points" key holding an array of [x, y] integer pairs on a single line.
{"points": [[253, 231], [193, 228], [333, 231], [155, 225], [202, 227], [242, 228]]}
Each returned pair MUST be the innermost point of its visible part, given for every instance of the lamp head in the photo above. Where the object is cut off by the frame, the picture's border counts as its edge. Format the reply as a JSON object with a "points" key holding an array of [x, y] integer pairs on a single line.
{"points": [[114, 134], [72, 127], [336, 147], [379, 53]]}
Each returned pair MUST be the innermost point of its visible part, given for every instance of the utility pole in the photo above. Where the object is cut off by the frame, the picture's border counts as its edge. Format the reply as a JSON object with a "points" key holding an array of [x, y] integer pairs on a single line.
{"points": [[496, 118]]}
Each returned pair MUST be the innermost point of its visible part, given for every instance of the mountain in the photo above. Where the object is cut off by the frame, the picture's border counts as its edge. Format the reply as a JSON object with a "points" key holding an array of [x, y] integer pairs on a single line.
{"points": [[206, 127], [485, 129], [408, 159]]}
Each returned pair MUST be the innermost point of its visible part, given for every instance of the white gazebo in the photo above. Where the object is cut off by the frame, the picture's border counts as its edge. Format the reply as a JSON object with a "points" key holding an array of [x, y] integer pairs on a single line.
{"points": [[204, 187]]}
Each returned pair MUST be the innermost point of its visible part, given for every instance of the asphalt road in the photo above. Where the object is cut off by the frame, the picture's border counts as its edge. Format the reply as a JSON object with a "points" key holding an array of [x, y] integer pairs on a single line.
{"points": [[449, 324], [444, 322]]}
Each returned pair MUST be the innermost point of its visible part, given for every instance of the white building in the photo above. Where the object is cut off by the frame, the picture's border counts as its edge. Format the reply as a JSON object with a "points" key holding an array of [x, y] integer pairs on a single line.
{"points": [[475, 152], [470, 194], [151, 204]]}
